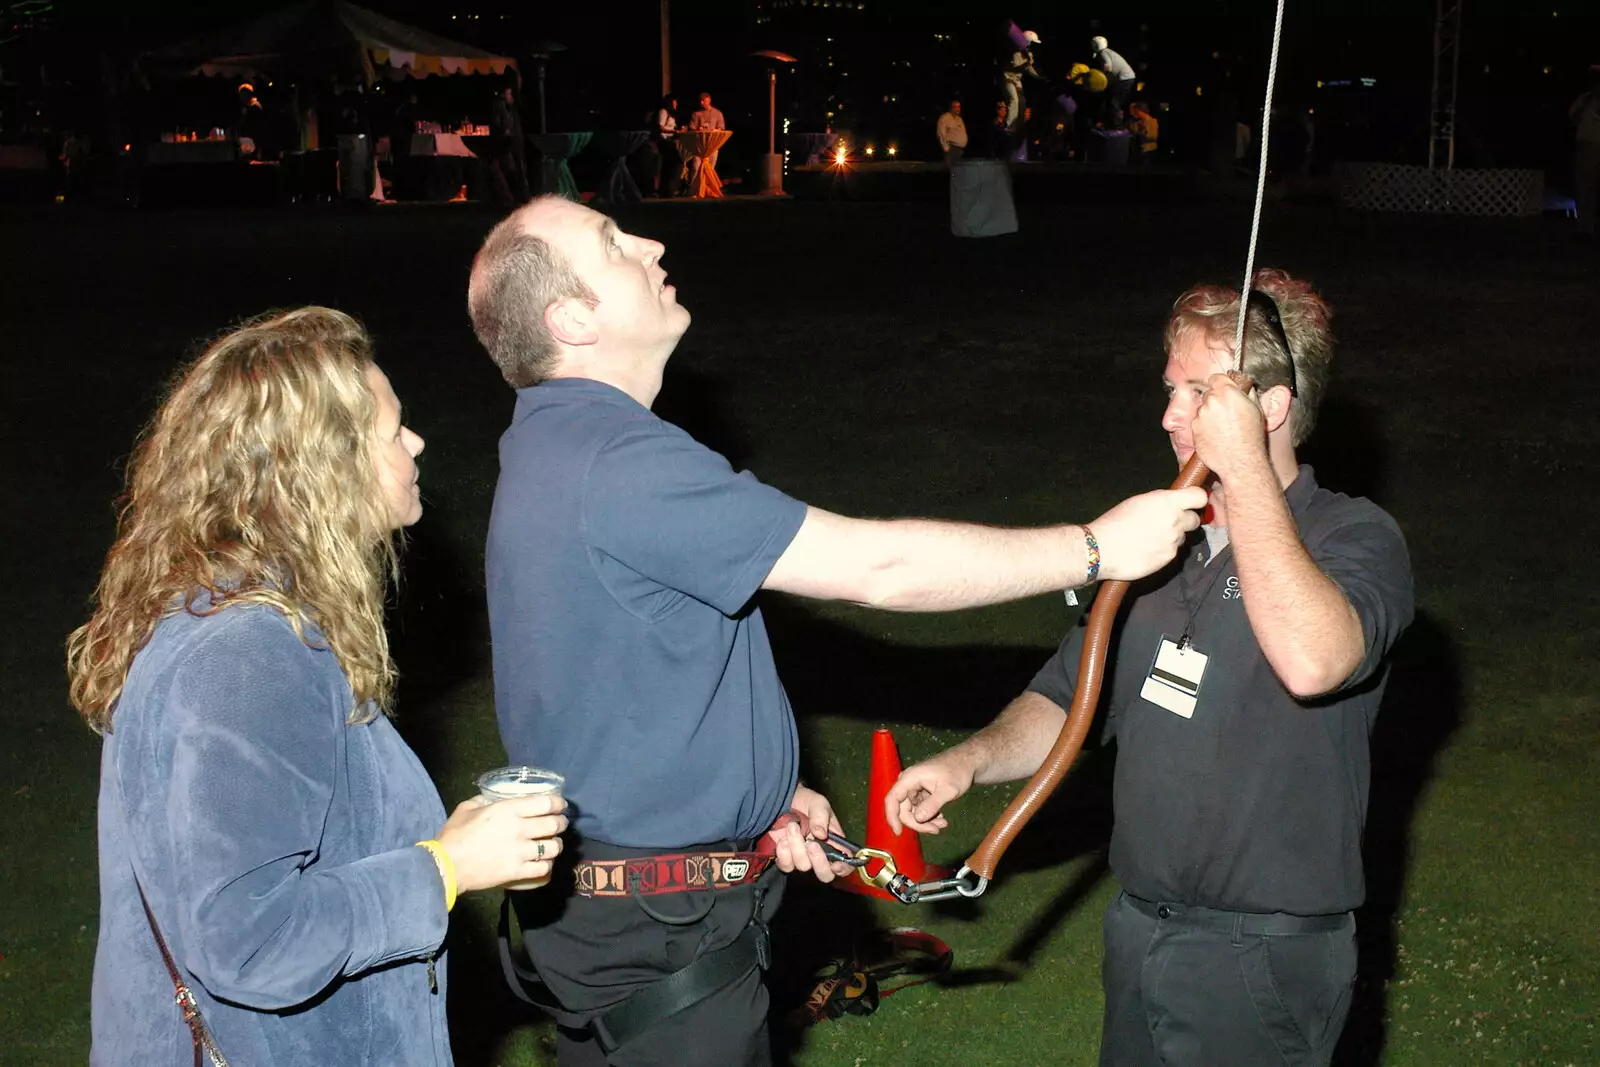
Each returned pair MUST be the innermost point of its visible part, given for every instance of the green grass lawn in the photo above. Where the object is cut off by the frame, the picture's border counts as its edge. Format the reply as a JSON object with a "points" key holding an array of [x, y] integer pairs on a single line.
{"points": [[858, 357]]}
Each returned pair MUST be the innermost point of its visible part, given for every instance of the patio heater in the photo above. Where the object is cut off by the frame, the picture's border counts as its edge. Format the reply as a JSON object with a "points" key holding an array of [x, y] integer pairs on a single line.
{"points": [[772, 162], [541, 51]]}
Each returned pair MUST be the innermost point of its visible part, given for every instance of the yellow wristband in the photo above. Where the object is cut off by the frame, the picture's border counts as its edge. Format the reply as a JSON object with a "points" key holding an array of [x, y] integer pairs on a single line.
{"points": [[447, 870]]}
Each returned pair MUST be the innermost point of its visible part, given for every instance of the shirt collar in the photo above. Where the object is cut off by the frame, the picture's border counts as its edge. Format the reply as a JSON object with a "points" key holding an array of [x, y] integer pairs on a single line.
{"points": [[1301, 490], [569, 390]]}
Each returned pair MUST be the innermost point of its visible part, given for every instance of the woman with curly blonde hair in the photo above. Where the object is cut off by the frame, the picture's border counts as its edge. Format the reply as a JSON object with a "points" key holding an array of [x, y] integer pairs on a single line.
{"points": [[267, 840]]}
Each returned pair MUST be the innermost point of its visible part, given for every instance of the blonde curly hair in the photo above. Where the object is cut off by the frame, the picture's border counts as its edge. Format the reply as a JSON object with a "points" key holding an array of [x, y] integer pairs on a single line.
{"points": [[253, 483], [1213, 311]]}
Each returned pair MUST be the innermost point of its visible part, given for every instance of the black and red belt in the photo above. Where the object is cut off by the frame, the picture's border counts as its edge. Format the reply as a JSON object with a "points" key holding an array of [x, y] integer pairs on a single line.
{"points": [[678, 872]]}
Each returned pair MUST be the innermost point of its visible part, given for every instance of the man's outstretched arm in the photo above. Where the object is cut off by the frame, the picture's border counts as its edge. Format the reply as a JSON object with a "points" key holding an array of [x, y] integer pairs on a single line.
{"points": [[1011, 747], [928, 565]]}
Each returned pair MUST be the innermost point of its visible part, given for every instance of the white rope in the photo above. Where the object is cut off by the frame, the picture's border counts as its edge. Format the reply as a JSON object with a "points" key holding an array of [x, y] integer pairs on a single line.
{"points": [[1261, 192]]}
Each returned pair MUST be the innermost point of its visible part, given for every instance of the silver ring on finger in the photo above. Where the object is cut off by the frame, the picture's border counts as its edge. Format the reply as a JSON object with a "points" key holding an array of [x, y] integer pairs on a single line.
{"points": [[538, 849]]}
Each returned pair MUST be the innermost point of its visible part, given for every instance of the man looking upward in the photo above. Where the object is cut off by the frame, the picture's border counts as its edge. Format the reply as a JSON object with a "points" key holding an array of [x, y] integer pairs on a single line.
{"points": [[629, 655]]}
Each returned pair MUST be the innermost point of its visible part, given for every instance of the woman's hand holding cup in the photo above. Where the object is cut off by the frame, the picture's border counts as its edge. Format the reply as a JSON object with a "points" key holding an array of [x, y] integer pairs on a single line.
{"points": [[510, 842]]}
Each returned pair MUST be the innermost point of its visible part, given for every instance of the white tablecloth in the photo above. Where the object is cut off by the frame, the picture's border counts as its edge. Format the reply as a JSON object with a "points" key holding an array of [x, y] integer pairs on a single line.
{"points": [[439, 144], [980, 199]]}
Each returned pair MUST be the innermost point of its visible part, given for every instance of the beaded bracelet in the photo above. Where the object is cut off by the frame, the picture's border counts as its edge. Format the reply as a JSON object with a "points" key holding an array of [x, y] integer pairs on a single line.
{"points": [[447, 870], [1091, 549]]}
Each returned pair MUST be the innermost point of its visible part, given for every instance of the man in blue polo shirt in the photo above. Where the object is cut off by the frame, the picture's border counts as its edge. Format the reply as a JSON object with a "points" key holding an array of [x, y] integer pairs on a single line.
{"points": [[623, 559], [1243, 685]]}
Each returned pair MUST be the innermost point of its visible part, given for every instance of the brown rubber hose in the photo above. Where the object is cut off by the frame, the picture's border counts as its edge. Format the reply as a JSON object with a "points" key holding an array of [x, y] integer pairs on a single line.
{"points": [[1091, 672]]}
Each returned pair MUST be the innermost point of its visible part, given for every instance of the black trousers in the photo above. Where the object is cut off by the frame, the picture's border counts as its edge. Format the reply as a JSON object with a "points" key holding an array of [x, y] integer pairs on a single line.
{"points": [[1117, 97], [593, 952], [1195, 987], [508, 176]]}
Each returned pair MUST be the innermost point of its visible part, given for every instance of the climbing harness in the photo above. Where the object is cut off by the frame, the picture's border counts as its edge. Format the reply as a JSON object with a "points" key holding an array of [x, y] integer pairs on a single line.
{"points": [[880, 964]]}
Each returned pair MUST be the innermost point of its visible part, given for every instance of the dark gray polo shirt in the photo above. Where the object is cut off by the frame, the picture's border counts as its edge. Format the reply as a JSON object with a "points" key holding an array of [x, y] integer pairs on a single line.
{"points": [[1256, 803], [622, 559]]}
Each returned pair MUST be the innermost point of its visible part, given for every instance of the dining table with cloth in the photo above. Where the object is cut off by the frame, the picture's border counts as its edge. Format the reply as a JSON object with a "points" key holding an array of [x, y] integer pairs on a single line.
{"points": [[980, 198], [617, 185], [701, 146], [439, 167], [555, 149], [440, 144]]}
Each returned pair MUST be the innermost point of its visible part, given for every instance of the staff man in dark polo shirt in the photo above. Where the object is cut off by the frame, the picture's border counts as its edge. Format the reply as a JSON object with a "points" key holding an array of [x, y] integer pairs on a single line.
{"points": [[1241, 690], [623, 559]]}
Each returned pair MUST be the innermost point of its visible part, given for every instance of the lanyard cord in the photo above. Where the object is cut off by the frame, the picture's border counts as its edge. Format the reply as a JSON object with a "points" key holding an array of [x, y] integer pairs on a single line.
{"points": [[1217, 568]]}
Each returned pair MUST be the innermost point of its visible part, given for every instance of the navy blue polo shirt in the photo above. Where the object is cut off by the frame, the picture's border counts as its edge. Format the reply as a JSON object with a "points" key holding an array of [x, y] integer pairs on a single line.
{"points": [[622, 559], [1257, 801]]}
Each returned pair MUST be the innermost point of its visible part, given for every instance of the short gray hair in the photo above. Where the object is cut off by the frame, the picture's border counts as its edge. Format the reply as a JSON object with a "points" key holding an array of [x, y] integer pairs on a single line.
{"points": [[516, 276]]}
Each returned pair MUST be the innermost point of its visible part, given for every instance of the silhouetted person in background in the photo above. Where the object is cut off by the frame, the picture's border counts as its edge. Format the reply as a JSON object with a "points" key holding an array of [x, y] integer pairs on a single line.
{"points": [[508, 167], [663, 162]]}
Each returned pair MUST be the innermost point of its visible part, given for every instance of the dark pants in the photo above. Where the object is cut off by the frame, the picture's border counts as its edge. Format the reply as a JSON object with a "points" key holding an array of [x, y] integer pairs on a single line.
{"points": [[592, 953], [509, 176], [1117, 98], [1194, 987], [663, 167]]}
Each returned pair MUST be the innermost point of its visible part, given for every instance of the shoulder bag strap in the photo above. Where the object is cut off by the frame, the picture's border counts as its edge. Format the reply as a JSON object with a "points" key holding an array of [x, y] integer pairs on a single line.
{"points": [[203, 1042]]}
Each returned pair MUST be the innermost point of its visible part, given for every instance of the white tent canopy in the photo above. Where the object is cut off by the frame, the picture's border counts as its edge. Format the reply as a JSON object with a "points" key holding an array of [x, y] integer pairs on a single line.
{"points": [[329, 35]]}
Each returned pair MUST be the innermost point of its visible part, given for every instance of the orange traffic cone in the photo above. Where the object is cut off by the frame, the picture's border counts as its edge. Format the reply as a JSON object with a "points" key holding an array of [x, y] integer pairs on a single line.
{"points": [[906, 847]]}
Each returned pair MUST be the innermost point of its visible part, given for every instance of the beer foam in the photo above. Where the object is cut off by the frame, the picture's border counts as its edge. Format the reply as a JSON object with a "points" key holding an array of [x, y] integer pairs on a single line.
{"points": [[521, 789]]}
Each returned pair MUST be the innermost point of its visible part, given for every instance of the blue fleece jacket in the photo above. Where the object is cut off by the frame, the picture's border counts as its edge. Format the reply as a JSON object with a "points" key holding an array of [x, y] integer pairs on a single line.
{"points": [[276, 845]]}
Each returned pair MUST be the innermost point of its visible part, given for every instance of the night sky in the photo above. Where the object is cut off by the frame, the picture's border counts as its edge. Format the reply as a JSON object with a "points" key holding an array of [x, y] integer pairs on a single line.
{"points": [[896, 62]]}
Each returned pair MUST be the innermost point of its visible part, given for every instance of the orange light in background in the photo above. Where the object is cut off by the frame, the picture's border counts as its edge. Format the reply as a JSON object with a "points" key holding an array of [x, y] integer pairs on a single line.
{"points": [[893, 151], [840, 155], [869, 150]]}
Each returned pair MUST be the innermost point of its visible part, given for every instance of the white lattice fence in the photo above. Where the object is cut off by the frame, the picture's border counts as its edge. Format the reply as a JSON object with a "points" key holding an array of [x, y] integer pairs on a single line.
{"points": [[1393, 187]]}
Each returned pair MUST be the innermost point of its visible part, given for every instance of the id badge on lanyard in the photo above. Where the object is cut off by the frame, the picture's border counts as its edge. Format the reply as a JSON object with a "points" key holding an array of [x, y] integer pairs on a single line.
{"points": [[1175, 677], [1179, 668]]}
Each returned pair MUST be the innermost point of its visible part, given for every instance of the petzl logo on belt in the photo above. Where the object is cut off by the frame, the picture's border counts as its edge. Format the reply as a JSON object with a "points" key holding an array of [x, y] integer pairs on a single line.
{"points": [[735, 870]]}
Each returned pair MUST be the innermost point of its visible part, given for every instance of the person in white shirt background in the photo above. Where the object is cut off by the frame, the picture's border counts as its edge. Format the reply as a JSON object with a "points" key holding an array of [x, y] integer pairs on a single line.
{"points": [[952, 134], [1119, 72], [708, 118]]}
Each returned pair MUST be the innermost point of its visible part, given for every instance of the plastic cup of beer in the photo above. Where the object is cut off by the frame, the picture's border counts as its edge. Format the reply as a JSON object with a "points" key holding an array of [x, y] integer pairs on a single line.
{"points": [[507, 783]]}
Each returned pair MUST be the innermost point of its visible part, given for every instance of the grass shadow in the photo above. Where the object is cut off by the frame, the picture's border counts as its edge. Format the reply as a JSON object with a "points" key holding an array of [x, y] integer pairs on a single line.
{"points": [[1422, 709], [826, 664], [1024, 948], [817, 924], [483, 1012]]}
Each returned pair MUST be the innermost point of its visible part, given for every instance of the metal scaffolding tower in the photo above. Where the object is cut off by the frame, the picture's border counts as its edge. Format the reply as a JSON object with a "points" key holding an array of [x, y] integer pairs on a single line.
{"points": [[1446, 76]]}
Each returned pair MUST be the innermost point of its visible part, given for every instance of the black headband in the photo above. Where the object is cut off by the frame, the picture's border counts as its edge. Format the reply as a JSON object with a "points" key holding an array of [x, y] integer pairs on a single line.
{"points": [[1269, 311]]}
